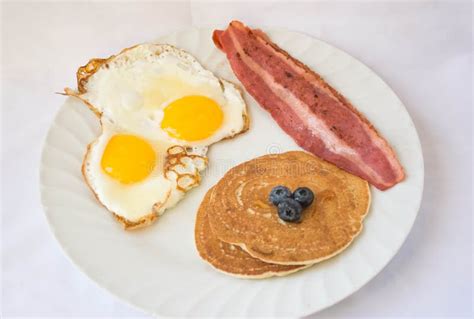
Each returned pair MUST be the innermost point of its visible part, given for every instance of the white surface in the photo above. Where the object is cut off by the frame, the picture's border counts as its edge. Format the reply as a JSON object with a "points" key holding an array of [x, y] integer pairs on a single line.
{"points": [[422, 50], [158, 268]]}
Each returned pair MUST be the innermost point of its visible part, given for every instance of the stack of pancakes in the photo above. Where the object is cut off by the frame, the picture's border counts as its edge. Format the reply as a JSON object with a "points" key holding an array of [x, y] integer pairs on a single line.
{"points": [[239, 232]]}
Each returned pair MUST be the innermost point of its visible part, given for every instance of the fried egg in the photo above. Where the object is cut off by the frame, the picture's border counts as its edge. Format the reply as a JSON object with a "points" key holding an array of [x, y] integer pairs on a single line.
{"points": [[137, 178], [163, 92], [159, 110]]}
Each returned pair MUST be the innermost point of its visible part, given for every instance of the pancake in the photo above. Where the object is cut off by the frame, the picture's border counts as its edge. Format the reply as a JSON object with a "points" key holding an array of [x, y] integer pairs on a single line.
{"points": [[241, 214], [229, 258]]}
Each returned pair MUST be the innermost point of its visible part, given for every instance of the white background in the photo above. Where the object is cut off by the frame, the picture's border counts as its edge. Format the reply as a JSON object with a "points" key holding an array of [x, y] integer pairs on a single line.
{"points": [[423, 50]]}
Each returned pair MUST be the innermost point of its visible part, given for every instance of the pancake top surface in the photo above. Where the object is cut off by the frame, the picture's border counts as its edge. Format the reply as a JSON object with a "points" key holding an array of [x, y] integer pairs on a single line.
{"points": [[242, 215], [230, 258]]}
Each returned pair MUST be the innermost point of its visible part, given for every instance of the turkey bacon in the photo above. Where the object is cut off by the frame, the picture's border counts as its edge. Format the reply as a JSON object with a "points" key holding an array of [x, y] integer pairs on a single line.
{"points": [[308, 109]]}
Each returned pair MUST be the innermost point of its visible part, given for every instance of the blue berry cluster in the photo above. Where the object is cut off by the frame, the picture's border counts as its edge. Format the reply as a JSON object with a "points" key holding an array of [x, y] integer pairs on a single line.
{"points": [[290, 205]]}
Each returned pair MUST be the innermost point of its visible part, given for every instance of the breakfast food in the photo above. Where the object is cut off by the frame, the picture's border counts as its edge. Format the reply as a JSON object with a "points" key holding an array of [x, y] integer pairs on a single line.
{"points": [[159, 110], [241, 214], [308, 109], [229, 258]]}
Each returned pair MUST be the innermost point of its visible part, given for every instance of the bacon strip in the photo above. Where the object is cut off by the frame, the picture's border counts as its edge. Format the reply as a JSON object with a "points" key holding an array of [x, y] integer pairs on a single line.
{"points": [[308, 109]]}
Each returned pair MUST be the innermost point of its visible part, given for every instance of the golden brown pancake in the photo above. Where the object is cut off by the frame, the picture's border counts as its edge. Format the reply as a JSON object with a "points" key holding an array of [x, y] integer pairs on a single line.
{"points": [[229, 258], [242, 215]]}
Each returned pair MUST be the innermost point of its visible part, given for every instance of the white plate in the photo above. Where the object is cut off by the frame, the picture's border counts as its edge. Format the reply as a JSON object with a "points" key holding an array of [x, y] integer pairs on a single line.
{"points": [[158, 269]]}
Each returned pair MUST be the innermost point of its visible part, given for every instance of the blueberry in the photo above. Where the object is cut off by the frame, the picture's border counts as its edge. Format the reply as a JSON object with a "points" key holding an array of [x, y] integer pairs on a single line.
{"points": [[278, 194], [304, 196], [290, 210]]}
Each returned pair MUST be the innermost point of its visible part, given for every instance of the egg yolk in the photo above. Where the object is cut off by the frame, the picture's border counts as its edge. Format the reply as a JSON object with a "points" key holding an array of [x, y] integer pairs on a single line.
{"points": [[192, 118], [128, 158]]}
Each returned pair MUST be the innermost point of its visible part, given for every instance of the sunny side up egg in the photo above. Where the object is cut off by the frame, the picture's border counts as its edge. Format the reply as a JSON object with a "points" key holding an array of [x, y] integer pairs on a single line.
{"points": [[159, 111]]}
